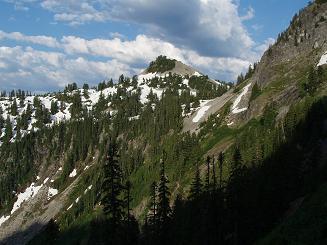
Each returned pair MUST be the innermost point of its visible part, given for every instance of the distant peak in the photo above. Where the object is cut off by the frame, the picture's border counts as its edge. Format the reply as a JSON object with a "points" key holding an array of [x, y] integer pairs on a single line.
{"points": [[161, 64], [164, 65]]}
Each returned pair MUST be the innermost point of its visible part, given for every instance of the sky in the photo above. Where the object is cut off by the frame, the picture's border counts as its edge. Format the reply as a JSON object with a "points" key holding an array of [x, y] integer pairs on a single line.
{"points": [[46, 44]]}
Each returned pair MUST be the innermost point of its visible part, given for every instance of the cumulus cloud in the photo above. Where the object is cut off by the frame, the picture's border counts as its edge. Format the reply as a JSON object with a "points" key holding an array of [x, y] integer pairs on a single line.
{"points": [[207, 34], [42, 40], [144, 49], [211, 27], [21, 5], [30, 69]]}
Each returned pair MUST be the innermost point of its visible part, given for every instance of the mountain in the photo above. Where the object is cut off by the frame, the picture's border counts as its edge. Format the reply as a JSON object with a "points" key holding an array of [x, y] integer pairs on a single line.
{"points": [[173, 156], [47, 174]]}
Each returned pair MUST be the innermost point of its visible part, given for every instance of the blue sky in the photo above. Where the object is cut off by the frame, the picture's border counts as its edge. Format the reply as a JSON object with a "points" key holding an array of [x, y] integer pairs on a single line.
{"points": [[45, 44]]}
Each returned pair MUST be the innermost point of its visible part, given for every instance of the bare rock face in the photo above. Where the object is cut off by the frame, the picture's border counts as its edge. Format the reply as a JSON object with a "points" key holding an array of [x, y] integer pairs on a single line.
{"points": [[302, 44], [285, 64]]}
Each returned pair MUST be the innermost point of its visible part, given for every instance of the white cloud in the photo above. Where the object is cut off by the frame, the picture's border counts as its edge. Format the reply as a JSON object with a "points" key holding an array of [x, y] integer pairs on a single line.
{"points": [[142, 49], [21, 5], [210, 27], [249, 15], [31, 69], [54, 69], [41, 40]]}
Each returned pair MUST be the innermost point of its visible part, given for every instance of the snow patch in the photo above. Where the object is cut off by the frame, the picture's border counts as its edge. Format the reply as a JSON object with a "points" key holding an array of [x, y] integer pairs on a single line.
{"points": [[30, 192], [323, 60], [52, 192], [71, 205], [201, 112], [134, 118], [197, 74], [235, 108], [3, 219], [185, 82], [73, 173], [88, 188]]}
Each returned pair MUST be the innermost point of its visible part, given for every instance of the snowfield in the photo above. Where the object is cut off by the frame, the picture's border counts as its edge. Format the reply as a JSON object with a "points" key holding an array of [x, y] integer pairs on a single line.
{"points": [[29, 193], [89, 98], [323, 59], [201, 112], [52, 192], [235, 108]]}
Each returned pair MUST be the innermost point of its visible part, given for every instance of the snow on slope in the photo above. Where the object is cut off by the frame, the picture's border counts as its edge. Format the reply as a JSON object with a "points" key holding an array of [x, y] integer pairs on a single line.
{"points": [[145, 89], [92, 98], [235, 108], [30, 192], [73, 173], [201, 111], [52, 192], [323, 60]]}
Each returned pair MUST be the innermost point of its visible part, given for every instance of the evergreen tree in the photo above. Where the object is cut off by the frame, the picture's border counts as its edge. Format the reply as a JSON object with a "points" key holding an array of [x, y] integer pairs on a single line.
{"points": [[8, 130], [14, 108], [76, 107], [196, 186], [86, 91], [163, 205], [54, 107], [214, 177], [153, 206], [1, 118], [312, 81], [128, 200], [221, 162], [207, 181], [112, 187]]}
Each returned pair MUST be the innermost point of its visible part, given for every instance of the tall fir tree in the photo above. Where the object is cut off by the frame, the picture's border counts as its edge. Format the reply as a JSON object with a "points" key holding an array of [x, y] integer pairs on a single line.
{"points": [[164, 210], [112, 188], [207, 181], [221, 162], [196, 186]]}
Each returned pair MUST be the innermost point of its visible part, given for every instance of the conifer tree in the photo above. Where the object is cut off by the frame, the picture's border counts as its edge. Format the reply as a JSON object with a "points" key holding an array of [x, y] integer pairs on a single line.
{"points": [[112, 187], [153, 205], [76, 108], [54, 107], [214, 177], [8, 130], [207, 184], [128, 200], [1, 118], [163, 204], [221, 162], [13, 108], [196, 186]]}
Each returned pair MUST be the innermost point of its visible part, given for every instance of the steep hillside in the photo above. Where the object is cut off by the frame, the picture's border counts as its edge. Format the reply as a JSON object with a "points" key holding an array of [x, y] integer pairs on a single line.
{"points": [[61, 151]]}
